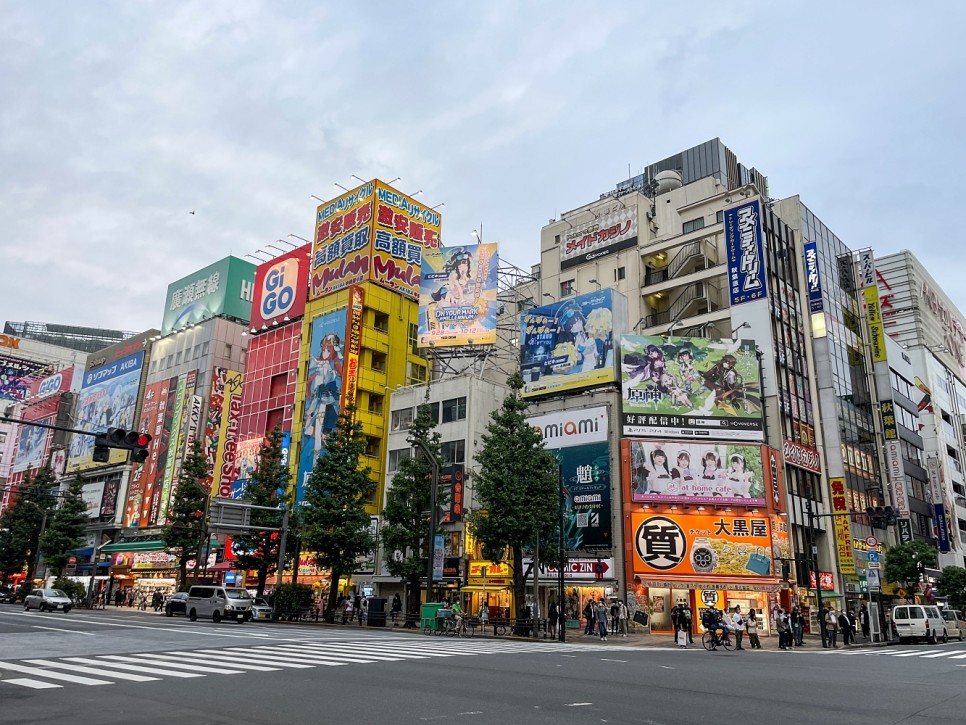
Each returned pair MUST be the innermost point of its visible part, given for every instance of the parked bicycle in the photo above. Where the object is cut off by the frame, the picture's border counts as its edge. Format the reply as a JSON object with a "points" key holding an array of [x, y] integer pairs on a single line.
{"points": [[711, 640], [459, 627]]}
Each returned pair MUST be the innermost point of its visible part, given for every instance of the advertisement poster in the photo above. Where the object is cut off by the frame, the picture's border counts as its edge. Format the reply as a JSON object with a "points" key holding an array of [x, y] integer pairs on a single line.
{"points": [[813, 277], [569, 345], [342, 247], [246, 461], [699, 544], [353, 347], [16, 376], [586, 480], [403, 229], [143, 475], [610, 232], [108, 399], [225, 453], [152, 502], [744, 245], [224, 287], [843, 531], [690, 387], [32, 446], [700, 473], [216, 403], [92, 495], [453, 481], [323, 389], [457, 296], [281, 287]]}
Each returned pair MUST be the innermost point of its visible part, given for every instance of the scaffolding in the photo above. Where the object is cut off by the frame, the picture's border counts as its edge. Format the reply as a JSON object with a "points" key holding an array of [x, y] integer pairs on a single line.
{"points": [[82, 339]]}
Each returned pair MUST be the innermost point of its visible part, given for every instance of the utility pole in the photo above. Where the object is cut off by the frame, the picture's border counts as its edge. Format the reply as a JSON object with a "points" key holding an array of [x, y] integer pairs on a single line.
{"points": [[562, 559], [431, 543]]}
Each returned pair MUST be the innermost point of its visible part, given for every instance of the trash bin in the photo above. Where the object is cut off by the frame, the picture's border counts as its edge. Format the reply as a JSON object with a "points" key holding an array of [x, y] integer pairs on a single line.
{"points": [[376, 616], [427, 614]]}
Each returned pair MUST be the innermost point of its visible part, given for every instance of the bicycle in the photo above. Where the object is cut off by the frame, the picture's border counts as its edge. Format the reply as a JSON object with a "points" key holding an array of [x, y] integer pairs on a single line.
{"points": [[711, 641]]}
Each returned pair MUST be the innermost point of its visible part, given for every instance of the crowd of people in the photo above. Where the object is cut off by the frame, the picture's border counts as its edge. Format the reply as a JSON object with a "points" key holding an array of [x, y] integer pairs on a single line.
{"points": [[603, 619]]}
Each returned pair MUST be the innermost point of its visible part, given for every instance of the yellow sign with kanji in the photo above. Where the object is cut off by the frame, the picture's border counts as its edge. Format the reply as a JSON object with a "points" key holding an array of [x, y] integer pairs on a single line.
{"points": [[843, 531]]}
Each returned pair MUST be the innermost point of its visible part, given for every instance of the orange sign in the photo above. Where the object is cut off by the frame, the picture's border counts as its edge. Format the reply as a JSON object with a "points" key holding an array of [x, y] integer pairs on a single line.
{"points": [[10, 341], [493, 568], [702, 544]]}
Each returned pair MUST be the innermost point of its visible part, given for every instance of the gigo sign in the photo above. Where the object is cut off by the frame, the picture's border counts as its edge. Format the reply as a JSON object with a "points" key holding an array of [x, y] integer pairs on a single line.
{"points": [[281, 286], [278, 289]]}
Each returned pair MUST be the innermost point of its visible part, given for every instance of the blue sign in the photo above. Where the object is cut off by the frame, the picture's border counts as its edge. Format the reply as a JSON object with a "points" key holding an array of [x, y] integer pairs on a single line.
{"points": [[813, 279], [942, 533], [746, 255], [108, 399], [230, 577]]}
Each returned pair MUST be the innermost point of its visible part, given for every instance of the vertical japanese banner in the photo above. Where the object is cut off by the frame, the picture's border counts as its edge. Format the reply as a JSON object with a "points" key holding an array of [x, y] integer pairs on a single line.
{"points": [[843, 531], [143, 475], [213, 421], [353, 336], [177, 410], [149, 508], [226, 454], [452, 481]]}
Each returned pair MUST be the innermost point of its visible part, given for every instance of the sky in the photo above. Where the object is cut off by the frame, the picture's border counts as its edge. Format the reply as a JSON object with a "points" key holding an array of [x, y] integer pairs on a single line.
{"points": [[117, 119]]}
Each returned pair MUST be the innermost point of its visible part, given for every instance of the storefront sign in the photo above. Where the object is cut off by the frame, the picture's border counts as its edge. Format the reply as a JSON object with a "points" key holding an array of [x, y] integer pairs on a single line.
{"points": [[611, 231], [10, 341], [755, 586], [353, 335], [154, 560], [826, 578], [905, 531], [571, 427], [746, 258], [493, 569], [576, 569], [843, 532], [874, 319], [438, 547], [795, 454]]}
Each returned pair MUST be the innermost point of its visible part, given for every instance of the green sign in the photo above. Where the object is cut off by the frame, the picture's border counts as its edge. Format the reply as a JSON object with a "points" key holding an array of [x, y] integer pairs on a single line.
{"points": [[905, 531], [222, 288]]}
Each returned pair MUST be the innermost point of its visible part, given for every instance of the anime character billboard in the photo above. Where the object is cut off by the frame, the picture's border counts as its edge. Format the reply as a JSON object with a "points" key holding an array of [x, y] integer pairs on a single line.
{"points": [[569, 345], [698, 388], [457, 296], [323, 390]]}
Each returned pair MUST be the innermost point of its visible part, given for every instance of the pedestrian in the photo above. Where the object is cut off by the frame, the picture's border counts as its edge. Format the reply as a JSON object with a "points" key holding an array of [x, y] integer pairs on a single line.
{"points": [[831, 627], [622, 617], [850, 616], [751, 627], [822, 617], [686, 619], [590, 615], [554, 615], [346, 610], [864, 622], [118, 597], [781, 625], [396, 607], [738, 625], [363, 610], [843, 621], [157, 600], [602, 620], [484, 613], [676, 618], [614, 614]]}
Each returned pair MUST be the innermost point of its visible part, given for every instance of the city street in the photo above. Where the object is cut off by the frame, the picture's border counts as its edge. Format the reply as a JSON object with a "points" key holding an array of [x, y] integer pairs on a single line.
{"points": [[123, 667]]}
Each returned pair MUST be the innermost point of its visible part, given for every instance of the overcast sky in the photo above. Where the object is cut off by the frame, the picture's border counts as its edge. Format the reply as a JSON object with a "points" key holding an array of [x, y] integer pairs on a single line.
{"points": [[118, 119]]}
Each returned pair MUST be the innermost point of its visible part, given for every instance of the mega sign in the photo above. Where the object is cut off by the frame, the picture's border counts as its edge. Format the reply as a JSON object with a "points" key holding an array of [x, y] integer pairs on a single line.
{"points": [[281, 286], [611, 232], [745, 252]]}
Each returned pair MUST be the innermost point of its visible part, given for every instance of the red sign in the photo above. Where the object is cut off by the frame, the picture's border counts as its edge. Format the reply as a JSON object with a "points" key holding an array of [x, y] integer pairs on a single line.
{"points": [[281, 288], [828, 581], [795, 454]]}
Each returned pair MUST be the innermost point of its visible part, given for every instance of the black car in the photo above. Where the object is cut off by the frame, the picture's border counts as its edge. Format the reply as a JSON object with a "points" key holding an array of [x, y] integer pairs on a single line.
{"points": [[8, 595], [176, 604]]}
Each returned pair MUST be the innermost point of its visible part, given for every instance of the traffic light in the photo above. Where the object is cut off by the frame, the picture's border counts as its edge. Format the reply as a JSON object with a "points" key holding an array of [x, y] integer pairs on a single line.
{"points": [[882, 516], [128, 440], [102, 449]]}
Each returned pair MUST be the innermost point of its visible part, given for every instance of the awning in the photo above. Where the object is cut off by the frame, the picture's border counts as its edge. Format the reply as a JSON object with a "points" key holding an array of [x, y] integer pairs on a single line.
{"points": [[221, 566], [827, 594], [133, 547], [742, 584], [89, 551]]}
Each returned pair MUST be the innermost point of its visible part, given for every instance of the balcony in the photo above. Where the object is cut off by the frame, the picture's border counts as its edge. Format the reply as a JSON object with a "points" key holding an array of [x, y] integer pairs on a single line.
{"points": [[695, 299], [693, 257]]}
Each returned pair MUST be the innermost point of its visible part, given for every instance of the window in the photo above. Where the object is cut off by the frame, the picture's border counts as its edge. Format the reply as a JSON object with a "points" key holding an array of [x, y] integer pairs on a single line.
{"points": [[177, 358], [380, 321], [433, 411], [454, 409], [377, 361], [413, 338], [556, 239], [277, 385], [566, 288], [274, 419], [620, 273], [693, 225], [204, 348], [415, 373], [375, 403], [719, 217], [3, 438], [170, 362], [394, 458], [401, 419], [227, 350], [372, 446], [453, 452]]}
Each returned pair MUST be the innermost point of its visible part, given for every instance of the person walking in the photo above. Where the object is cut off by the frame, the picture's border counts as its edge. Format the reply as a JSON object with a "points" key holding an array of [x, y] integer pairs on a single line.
{"points": [[602, 620], [738, 625], [686, 621], [395, 608], [781, 625], [554, 615], [864, 622], [590, 615], [751, 627], [831, 627], [843, 621], [622, 617], [850, 616], [797, 622]]}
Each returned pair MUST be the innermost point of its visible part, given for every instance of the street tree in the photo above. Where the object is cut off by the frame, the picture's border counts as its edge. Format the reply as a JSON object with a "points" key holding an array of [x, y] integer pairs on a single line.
{"points": [[517, 487], [187, 530], [405, 519], [952, 584], [66, 528], [258, 550], [905, 563], [335, 522], [23, 521]]}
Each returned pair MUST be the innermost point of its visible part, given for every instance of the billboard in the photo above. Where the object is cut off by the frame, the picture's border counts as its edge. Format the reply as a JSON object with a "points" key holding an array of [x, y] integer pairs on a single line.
{"points": [[93, 494], [226, 453], [587, 506], [702, 544], [281, 286], [342, 245], [684, 387], [843, 529], [16, 376], [246, 461], [744, 245], [699, 473], [457, 296], [813, 277], [108, 399], [402, 229], [222, 288], [323, 389], [569, 345], [32, 445], [143, 475], [572, 427], [353, 346], [611, 232]]}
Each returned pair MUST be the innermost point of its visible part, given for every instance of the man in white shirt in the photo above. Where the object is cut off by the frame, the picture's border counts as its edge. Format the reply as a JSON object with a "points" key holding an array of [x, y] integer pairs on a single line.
{"points": [[737, 626]]}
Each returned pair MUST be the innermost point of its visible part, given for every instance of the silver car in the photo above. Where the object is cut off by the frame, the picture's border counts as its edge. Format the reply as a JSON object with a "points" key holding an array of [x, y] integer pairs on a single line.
{"points": [[261, 609], [47, 600]]}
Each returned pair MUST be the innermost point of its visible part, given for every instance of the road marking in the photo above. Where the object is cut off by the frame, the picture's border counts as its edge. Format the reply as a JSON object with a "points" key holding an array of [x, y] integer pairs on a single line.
{"points": [[958, 657], [89, 670], [604, 659], [939, 654], [252, 655], [37, 672], [58, 629], [569, 656], [578, 704], [333, 653], [138, 666], [32, 684], [217, 662], [914, 653], [665, 667]]}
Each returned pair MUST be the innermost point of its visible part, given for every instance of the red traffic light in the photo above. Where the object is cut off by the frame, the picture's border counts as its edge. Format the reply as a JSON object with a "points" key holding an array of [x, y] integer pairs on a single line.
{"points": [[144, 440]]}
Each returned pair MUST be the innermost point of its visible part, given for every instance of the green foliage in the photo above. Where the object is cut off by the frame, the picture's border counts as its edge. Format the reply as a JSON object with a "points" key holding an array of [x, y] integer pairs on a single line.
{"points": [[74, 590], [258, 550], [290, 597], [66, 529], [405, 524], [517, 486], [335, 521], [952, 585], [186, 512], [22, 522], [904, 563]]}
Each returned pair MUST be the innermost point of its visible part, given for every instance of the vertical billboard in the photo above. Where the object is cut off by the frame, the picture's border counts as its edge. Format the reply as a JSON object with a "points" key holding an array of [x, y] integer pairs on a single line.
{"points": [[611, 232], [457, 296], [813, 277], [223, 288], [403, 228], [108, 399], [353, 346], [227, 451], [578, 439], [744, 245], [708, 473], [843, 529], [569, 345], [323, 389], [934, 469], [342, 245], [281, 287], [143, 475], [696, 388]]}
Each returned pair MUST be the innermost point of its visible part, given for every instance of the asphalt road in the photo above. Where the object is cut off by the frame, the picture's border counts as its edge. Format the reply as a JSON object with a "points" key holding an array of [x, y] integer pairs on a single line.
{"points": [[123, 667]]}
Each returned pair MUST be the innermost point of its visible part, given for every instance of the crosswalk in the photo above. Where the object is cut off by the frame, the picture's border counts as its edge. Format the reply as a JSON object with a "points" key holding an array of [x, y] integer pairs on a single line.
{"points": [[107, 669], [931, 653]]}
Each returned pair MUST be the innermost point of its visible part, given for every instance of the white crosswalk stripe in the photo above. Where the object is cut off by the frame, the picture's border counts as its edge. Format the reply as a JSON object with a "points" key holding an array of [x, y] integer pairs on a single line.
{"points": [[260, 656], [923, 654]]}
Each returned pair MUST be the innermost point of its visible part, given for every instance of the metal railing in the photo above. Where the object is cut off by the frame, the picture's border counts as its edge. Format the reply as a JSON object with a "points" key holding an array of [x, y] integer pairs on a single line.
{"points": [[692, 293]]}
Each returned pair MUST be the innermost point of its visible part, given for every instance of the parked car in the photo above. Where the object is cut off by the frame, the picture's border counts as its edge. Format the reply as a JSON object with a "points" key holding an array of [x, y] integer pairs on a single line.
{"points": [[47, 600], [261, 609], [917, 622], [176, 604], [8, 595], [955, 626], [219, 603]]}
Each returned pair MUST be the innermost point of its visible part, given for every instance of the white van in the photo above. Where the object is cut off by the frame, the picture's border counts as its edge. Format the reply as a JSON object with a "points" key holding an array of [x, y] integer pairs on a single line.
{"points": [[919, 621], [219, 603]]}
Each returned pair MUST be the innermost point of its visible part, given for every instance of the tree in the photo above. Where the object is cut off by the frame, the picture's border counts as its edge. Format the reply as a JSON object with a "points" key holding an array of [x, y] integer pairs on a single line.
{"points": [[952, 585], [517, 487], [22, 522], [66, 529], [187, 529], [258, 550], [405, 524], [904, 563], [335, 521]]}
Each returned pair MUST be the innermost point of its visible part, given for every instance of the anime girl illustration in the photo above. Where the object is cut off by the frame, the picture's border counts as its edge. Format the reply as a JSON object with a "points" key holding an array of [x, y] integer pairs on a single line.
{"points": [[647, 368], [738, 477], [456, 291], [572, 329], [325, 382]]}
